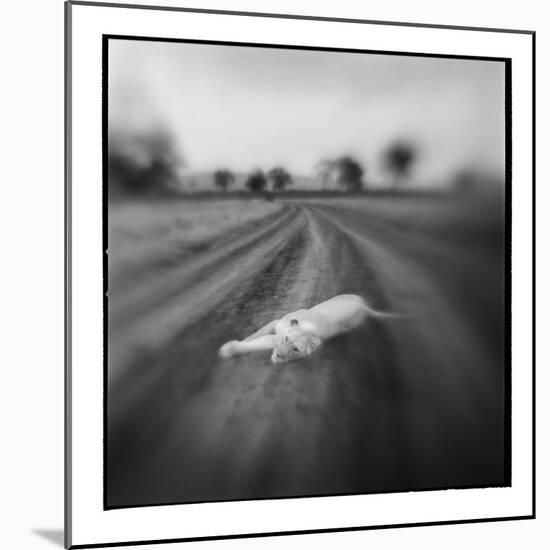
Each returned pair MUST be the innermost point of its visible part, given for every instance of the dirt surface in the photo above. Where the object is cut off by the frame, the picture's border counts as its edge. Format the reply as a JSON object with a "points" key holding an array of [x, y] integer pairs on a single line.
{"points": [[397, 404]]}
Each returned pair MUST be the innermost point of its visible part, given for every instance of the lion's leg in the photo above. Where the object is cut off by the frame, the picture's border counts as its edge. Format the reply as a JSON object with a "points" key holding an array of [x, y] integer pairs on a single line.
{"points": [[260, 343], [266, 329], [236, 347]]}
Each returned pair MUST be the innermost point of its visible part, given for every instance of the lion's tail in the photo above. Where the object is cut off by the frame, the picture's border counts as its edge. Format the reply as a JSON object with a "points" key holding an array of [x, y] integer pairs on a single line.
{"points": [[371, 312]]}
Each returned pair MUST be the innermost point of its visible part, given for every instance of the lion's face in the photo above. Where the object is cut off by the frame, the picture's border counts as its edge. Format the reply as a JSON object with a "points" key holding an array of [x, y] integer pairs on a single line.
{"points": [[296, 343]]}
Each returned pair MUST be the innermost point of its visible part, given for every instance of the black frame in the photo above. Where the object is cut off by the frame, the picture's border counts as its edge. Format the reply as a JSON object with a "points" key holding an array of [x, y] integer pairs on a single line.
{"points": [[106, 38], [508, 213]]}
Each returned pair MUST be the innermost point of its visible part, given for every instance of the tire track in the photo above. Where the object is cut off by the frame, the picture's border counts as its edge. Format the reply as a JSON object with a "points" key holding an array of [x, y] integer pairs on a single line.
{"points": [[158, 376], [155, 260], [452, 381], [146, 318]]}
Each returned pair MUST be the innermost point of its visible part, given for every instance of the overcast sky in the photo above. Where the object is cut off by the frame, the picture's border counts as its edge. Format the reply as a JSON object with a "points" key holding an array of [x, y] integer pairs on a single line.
{"points": [[246, 108]]}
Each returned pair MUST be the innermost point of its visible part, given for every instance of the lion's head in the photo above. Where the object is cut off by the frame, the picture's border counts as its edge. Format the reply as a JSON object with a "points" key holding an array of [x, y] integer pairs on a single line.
{"points": [[296, 343]]}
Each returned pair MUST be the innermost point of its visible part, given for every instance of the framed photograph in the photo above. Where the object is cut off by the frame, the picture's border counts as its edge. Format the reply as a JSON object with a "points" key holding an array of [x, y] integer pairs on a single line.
{"points": [[299, 274]]}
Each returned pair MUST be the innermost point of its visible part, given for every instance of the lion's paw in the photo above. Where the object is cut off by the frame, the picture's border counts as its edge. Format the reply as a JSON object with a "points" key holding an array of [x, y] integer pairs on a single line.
{"points": [[229, 349]]}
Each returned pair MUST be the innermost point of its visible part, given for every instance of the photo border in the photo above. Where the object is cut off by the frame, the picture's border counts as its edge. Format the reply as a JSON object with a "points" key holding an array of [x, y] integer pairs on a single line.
{"points": [[68, 273]]}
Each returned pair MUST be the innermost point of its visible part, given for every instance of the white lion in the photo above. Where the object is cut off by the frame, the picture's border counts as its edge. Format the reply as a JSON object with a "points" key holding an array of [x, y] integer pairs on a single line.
{"points": [[300, 333]]}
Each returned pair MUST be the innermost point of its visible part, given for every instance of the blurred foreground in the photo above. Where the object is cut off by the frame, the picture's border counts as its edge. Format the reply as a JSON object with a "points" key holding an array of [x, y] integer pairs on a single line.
{"points": [[415, 403]]}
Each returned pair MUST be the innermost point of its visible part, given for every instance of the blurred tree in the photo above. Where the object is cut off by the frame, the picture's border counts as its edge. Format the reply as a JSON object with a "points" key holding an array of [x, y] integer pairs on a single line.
{"points": [[256, 182], [398, 159], [139, 163], [349, 173], [465, 182], [279, 178], [223, 179]]}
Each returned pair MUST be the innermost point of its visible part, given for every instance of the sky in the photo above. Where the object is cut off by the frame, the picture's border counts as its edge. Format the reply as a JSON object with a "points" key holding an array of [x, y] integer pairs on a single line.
{"points": [[244, 108]]}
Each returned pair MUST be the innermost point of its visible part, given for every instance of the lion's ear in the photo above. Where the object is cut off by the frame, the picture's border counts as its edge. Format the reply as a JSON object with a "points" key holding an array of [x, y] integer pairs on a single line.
{"points": [[312, 344]]}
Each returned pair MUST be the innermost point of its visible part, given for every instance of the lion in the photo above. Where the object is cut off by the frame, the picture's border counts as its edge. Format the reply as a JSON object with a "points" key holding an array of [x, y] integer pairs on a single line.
{"points": [[300, 333]]}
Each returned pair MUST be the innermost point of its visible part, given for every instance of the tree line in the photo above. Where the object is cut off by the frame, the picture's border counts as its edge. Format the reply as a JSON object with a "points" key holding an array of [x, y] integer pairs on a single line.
{"points": [[344, 172], [277, 178], [151, 162]]}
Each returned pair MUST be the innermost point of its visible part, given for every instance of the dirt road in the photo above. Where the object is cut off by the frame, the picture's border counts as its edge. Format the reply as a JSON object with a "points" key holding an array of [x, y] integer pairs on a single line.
{"points": [[401, 404]]}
